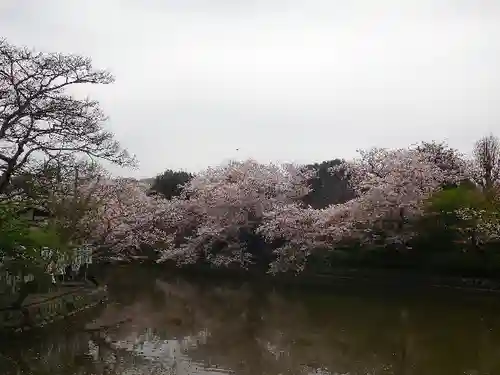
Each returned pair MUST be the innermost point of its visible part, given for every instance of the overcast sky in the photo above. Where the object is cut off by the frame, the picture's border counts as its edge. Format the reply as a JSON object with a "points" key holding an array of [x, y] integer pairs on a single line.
{"points": [[279, 80]]}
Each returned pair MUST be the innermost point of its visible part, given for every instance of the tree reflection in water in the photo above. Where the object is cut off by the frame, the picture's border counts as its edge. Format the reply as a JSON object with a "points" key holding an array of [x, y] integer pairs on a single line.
{"points": [[186, 327]]}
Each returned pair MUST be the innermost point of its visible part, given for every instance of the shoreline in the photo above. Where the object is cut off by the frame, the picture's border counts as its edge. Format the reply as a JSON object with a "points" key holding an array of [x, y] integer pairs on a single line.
{"points": [[390, 279], [42, 309]]}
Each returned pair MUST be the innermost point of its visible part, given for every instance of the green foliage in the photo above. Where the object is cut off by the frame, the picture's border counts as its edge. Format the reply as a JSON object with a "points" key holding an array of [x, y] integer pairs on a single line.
{"points": [[46, 236], [13, 229], [170, 182], [21, 242], [441, 230], [464, 196], [327, 187]]}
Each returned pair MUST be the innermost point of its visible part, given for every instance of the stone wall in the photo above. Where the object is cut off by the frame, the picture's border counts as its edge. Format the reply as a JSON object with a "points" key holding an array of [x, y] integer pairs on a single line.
{"points": [[39, 310]]}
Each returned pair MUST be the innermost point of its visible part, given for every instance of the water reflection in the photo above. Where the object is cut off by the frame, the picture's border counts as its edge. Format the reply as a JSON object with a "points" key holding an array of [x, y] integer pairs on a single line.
{"points": [[186, 327]]}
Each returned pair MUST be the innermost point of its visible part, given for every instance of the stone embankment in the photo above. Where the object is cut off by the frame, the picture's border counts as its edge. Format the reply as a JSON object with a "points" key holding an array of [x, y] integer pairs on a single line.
{"points": [[38, 310]]}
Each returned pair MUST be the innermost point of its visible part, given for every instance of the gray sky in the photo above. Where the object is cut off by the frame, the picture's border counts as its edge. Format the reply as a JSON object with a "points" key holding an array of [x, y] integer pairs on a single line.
{"points": [[280, 80]]}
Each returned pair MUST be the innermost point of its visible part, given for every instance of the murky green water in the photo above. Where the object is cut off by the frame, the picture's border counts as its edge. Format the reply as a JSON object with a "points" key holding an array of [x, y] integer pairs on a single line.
{"points": [[187, 327]]}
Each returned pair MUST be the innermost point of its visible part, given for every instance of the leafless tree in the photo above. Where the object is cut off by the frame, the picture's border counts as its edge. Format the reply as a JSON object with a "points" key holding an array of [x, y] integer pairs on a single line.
{"points": [[40, 120], [487, 161]]}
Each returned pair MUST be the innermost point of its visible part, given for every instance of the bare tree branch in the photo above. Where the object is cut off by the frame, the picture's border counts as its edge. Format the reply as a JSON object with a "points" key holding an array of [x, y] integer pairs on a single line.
{"points": [[40, 120]]}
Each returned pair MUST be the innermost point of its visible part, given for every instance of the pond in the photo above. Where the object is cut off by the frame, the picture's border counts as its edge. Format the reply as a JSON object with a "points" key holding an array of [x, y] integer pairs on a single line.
{"points": [[178, 326]]}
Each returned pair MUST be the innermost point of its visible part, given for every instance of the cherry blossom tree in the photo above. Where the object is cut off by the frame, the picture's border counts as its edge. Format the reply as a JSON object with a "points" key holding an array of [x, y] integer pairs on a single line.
{"points": [[300, 231], [226, 205], [222, 209], [390, 187], [222, 212], [87, 206], [396, 182], [122, 215], [444, 156]]}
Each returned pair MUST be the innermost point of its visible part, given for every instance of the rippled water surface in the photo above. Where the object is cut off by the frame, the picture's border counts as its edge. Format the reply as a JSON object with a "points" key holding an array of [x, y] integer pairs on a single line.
{"points": [[176, 326]]}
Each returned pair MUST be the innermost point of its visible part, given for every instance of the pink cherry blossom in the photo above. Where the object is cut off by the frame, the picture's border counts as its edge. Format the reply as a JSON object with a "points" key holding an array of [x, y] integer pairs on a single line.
{"points": [[221, 203], [122, 215], [391, 186]]}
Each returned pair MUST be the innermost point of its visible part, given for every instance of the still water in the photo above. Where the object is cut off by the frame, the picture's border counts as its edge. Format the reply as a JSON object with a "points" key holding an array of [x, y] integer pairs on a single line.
{"points": [[176, 326]]}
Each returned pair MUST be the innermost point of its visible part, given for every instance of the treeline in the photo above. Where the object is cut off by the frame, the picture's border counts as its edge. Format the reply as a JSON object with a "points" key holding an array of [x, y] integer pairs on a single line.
{"points": [[437, 212], [326, 187]]}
